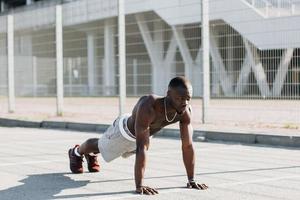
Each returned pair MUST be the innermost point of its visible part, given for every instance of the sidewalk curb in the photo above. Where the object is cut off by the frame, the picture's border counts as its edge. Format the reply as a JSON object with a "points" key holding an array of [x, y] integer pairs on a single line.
{"points": [[199, 136], [19, 123]]}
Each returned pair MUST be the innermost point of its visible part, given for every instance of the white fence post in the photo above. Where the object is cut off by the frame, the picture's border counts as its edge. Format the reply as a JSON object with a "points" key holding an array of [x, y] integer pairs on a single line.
{"points": [[2, 6], [122, 56], [293, 9], [205, 60], [135, 75], [59, 61], [34, 76], [11, 64], [91, 62]]}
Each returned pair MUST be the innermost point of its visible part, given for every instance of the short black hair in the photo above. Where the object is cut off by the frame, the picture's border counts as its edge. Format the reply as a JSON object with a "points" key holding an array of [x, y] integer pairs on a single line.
{"points": [[179, 81]]}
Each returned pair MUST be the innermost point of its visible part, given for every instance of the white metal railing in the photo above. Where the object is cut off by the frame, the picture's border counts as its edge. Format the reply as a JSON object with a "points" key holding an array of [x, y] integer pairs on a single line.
{"points": [[275, 8], [282, 7], [296, 7]]}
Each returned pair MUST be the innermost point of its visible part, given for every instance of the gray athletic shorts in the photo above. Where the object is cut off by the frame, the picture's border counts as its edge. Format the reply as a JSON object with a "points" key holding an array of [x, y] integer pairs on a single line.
{"points": [[117, 140]]}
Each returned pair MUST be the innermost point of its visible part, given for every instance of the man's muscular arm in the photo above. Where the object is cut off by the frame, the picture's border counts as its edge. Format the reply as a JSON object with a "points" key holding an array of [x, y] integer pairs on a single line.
{"points": [[186, 131], [144, 117]]}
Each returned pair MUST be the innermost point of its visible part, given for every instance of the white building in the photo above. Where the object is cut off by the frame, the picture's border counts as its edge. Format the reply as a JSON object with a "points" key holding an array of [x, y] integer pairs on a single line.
{"points": [[254, 47]]}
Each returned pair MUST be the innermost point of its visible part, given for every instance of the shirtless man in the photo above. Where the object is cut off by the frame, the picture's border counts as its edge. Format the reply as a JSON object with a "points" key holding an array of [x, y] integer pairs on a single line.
{"points": [[130, 134]]}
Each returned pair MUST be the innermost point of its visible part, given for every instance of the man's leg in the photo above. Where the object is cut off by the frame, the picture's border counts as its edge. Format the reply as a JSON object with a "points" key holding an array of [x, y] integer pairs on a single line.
{"points": [[89, 148]]}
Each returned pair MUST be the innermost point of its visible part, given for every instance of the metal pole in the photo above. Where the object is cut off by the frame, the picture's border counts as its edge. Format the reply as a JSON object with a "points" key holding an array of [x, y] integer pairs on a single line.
{"points": [[122, 57], [205, 60], [28, 2], [135, 82], [109, 58], [59, 61], [70, 74], [11, 64], [2, 6], [34, 75], [91, 62]]}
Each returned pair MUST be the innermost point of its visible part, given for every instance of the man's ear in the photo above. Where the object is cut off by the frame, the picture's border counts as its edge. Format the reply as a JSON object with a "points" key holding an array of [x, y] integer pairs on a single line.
{"points": [[169, 92]]}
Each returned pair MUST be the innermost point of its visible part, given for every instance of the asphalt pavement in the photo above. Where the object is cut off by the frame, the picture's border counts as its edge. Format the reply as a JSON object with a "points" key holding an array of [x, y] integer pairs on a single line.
{"points": [[34, 165]]}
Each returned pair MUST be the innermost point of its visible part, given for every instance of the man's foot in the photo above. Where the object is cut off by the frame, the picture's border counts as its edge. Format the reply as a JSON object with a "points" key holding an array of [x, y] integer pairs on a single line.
{"points": [[92, 163], [75, 161]]}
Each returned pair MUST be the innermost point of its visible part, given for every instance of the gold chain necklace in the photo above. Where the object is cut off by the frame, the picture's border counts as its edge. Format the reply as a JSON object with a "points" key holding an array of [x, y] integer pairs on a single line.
{"points": [[166, 113]]}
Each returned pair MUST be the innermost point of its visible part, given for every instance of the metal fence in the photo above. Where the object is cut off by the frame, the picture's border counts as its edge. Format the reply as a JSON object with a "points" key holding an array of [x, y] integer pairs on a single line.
{"points": [[3, 58], [254, 54]]}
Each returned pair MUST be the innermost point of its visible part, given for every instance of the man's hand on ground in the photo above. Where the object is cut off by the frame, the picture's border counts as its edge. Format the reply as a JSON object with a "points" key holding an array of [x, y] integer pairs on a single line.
{"points": [[198, 186], [146, 190]]}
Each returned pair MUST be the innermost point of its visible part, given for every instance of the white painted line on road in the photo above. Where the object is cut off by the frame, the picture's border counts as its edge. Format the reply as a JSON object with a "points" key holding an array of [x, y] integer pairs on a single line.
{"points": [[154, 153], [129, 195], [263, 180], [31, 162], [52, 141], [216, 186], [163, 152]]}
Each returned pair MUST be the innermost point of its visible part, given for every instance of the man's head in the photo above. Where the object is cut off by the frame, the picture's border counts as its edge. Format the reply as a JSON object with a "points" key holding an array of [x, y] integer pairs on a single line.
{"points": [[180, 93]]}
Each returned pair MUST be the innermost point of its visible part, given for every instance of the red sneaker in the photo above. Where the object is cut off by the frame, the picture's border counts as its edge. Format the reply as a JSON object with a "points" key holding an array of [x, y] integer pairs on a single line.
{"points": [[75, 161], [92, 163]]}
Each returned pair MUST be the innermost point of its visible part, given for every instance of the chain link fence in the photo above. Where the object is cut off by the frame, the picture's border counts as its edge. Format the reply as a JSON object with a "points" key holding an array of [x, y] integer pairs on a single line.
{"points": [[254, 56]]}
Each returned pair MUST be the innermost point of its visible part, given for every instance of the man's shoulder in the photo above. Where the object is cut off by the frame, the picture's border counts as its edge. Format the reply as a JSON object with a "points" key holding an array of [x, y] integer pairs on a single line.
{"points": [[148, 104], [149, 99], [186, 116], [146, 107]]}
